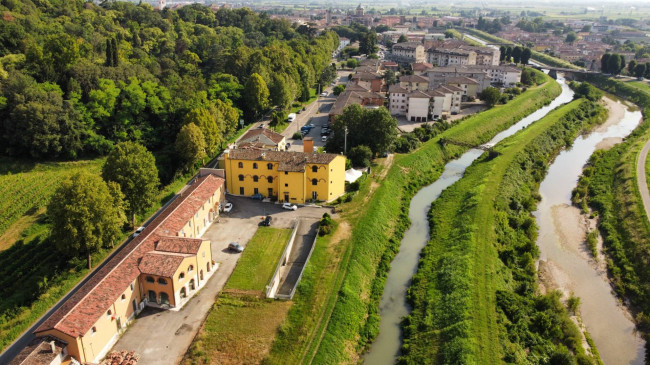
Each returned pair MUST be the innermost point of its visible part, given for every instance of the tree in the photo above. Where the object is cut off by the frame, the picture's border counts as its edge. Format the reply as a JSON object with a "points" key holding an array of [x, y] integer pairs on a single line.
{"points": [[571, 37], [490, 96], [205, 120], [640, 70], [374, 128], [281, 92], [402, 39], [133, 168], [604, 63], [360, 156], [647, 70], [390, 78], [115, 53], [84, 215], [516, 54], [256, 96], [109, 53], [338, 89], [368, 42], [502, 53], [190, 145], [352, 63], [614, 64], [525, 55], [630, 67]]}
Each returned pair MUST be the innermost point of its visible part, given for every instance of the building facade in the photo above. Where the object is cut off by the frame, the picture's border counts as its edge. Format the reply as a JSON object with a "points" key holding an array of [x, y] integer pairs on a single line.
{"points": [[294, 177], [152, 269], [408, 52]]}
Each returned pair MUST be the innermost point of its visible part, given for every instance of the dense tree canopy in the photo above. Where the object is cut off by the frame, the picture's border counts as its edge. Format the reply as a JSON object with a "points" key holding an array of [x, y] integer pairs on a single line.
{"points": [[76, 78], [85, 215], [374, 128]]}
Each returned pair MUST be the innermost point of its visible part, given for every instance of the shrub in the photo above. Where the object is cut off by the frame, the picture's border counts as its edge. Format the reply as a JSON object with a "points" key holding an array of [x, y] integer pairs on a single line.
{"points": [[360, 156], [297, 135]]}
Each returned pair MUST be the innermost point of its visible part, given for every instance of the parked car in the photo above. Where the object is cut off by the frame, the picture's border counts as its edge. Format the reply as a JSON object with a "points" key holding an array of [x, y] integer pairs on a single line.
{"points": [[227, 208], [257, 196], [138, 231], [324, 93], [291, 117], [234, 246], [267, 221], [323, 139], [310, 125], [289, 206]]}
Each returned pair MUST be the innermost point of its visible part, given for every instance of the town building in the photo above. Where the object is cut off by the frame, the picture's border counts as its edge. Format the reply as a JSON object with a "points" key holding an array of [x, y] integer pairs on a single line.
{"points": [[262, 138], [368, 80], [355, 94], [295, 177], [467, 84], [448, 57], [414, 82], [162, 267], [407, 53]]}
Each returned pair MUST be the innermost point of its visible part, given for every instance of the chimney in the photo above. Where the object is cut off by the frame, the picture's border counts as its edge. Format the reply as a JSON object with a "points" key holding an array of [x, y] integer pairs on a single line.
{"points": [[308, 144], [52, 346]]}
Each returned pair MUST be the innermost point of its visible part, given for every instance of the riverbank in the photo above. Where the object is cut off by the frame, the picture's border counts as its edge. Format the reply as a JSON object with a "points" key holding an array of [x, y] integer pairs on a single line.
{"points": [[473, 295]]}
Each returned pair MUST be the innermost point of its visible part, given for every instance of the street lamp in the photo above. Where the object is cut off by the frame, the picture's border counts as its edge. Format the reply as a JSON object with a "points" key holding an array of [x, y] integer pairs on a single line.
{"points": [[345, 141]]}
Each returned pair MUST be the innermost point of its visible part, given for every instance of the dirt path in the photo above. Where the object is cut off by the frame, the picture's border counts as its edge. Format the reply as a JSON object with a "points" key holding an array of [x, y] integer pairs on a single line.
{"points": [[641, 178]]}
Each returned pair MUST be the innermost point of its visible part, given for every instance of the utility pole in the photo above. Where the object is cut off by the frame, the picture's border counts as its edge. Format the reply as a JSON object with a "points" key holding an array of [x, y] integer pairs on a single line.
{"points": [[345, 141]]}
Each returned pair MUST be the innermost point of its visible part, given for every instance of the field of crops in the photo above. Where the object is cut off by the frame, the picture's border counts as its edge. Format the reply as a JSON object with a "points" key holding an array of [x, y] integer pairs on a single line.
{"points": [[25, 187]]}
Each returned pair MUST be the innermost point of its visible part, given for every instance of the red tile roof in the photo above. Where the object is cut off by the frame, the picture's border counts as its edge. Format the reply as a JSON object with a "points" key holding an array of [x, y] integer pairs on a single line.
{"points": [[161, 263], [179, 244], [79, 313]]}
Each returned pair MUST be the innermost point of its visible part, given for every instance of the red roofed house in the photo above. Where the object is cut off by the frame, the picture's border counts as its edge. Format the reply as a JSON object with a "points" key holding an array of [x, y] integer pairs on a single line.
{"points": [[162, 267]]}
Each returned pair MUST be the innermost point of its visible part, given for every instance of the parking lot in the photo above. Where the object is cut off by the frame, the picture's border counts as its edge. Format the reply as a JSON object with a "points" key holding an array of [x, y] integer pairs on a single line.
{"points": [[162, 337]]}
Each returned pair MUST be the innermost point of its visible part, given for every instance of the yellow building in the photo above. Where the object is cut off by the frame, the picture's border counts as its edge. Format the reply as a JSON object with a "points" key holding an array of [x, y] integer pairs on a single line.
{"points": [[294, 177], [162, 267]]}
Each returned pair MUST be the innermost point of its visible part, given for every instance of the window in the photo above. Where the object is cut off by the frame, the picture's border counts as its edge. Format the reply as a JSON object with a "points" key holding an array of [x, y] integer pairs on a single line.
{"points": [[314, 181], [110, 312], [256, 191], [241, 165], [314, 168], [254, 165], [150, 279], [123, 296], [241, 177], [132, 287], [286, 185], [269, 166], [190, 268], [270, 179], [255, 178], [241, 191], [93, 330], [162, 281], [286, 172], [181, 276]]}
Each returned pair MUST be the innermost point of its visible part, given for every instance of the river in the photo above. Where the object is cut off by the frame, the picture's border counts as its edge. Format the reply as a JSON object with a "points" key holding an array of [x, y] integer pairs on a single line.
{"points": [[564, 257], [393, 306]]}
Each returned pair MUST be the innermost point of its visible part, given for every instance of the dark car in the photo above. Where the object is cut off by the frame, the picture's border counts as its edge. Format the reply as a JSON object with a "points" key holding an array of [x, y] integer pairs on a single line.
{"points": [[234, 246], [257, 196], [267, 221]]}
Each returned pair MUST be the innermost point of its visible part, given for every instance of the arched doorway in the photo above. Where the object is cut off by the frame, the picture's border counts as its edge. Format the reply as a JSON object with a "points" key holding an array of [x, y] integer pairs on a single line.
{"points": [[201, 275], [152, 296], [164, 298], [192, 287], [183, 292], [207, 265]]}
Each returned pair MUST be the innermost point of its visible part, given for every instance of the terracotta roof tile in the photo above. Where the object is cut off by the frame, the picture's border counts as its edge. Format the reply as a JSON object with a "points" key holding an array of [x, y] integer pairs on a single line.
{"points": [[287, 160], [262, 135], [79, 313], [161, 263], [179, 244]]}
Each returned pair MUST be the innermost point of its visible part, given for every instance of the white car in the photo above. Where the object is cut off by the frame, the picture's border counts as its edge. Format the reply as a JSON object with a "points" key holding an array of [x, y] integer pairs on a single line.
{"points": [[138, 231], [289, 206], [323, 139], [227, 208], [291, 117], [324, 93]]}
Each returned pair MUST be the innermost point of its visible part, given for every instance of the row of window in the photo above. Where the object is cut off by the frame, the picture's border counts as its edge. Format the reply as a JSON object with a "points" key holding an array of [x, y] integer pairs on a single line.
{"points": [[256, 178]]}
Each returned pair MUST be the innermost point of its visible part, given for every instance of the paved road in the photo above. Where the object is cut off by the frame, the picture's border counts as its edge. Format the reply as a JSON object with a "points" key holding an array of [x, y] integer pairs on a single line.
{"points": [[12, 350], [641, 178], [162, 337]]}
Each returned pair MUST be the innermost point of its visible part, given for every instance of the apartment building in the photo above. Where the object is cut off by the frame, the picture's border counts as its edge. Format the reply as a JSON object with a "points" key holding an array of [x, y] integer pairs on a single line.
{"points": [[408, 52], [448, 57]]}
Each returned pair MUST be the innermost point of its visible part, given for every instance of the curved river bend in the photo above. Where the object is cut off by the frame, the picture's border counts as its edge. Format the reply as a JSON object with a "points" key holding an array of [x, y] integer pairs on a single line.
{"points": [[393, 306], [566, 259]]}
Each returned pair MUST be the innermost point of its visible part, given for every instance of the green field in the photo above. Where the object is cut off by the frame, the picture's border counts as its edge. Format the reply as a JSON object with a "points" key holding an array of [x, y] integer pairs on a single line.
{"points": [[473, 293], [257, 264], [240, 326]]}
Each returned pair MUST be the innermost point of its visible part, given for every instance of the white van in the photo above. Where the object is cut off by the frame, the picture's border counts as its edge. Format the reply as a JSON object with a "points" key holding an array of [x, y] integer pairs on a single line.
{"points": [[291, 117]]}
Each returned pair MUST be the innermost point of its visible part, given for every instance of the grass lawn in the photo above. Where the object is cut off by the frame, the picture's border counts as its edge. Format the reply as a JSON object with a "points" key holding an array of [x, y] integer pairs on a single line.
{"points": [[259, 260], [225, 337]]}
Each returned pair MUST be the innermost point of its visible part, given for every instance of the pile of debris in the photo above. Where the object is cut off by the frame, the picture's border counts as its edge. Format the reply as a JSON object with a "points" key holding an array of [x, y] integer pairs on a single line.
{"points": [[121, 358]]}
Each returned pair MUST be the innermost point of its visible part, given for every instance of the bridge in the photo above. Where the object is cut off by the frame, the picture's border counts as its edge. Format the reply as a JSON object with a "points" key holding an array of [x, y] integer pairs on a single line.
{"points": [[484, 147]]}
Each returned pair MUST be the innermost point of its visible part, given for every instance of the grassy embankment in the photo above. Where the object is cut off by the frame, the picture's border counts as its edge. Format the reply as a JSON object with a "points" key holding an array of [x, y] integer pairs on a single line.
{"points": [[335, 315], [29, 287], [537, 56], [474, 294], [225, 336], [609, 187]]}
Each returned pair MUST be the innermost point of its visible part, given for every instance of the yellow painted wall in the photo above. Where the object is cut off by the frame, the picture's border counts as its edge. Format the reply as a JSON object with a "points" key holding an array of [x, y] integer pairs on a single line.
{"points": [[204, 257], [74, 343], [201, 218], [105, 328], [183, 268], [158, 288], [292, 183], [337, 178]]}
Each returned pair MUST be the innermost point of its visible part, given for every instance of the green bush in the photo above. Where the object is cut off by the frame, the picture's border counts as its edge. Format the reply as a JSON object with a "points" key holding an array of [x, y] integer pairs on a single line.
{"points": [[360, 156], [297, 136]]}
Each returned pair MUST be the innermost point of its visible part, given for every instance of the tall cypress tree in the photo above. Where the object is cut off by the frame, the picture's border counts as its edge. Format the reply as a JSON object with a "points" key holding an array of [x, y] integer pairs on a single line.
{"points": [[109, 53], [115, 53]]}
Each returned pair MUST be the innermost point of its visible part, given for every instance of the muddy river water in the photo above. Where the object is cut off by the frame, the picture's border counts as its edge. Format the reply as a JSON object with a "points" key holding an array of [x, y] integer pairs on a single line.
{"points": [[393, 306], [563, 254]]}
